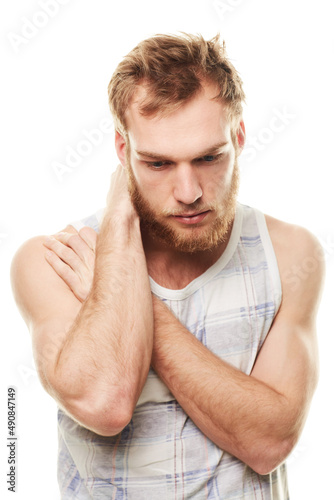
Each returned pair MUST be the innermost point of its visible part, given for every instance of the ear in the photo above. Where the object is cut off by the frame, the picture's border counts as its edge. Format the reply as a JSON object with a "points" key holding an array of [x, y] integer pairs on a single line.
{"points": [[241, 136], [120, 146]]}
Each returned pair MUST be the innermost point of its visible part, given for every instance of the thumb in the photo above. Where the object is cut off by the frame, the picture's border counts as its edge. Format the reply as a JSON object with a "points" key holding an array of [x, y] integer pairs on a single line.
{"points": [[89, 236]]}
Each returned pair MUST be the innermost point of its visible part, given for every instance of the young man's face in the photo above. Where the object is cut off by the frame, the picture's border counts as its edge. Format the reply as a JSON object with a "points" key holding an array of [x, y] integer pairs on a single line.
{"points": [[183, 172]]}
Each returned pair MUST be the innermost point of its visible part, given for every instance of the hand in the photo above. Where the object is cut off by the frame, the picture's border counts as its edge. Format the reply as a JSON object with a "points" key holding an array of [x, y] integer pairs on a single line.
{"points": [[118, 200], [73, 258]]}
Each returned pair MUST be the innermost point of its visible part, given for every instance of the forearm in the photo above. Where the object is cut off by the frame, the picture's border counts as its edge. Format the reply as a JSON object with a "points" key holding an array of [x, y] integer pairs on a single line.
{"points": [[238, 413], [104, 361]]}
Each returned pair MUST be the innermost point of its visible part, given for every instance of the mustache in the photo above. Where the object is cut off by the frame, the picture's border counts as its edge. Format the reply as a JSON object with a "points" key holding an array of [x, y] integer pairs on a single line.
{"points": [[193, 208]]}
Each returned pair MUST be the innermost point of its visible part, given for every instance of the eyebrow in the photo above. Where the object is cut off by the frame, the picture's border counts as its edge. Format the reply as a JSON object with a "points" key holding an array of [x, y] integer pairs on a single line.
{"points": [[215, 148]]}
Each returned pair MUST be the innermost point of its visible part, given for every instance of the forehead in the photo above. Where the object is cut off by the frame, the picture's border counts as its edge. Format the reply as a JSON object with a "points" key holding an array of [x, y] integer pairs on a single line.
{"points": [[196, 125]]}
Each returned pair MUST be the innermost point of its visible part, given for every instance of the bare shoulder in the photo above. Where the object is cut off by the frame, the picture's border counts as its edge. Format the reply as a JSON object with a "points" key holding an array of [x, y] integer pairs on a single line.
{"points": [[300, 258], [30, 251], [292, 238], [292, 242], [30, 273]]}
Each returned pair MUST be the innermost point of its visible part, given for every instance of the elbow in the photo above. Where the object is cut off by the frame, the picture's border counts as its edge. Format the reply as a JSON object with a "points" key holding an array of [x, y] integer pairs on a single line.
{"points": [[106, 423], [101, 412], [270, 455], [106, 419]]}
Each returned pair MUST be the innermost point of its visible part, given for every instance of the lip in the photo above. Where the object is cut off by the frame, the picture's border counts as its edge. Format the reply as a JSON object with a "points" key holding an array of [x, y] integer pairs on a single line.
{"points": [[191, 218]]}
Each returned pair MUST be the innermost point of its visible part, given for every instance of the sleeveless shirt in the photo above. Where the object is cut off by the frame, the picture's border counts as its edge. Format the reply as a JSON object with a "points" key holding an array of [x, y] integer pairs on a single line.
{"points": [[161, 454]]}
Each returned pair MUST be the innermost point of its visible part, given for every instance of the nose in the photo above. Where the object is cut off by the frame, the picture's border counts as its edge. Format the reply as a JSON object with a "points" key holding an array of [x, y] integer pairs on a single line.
{"points": [[187, 187]]}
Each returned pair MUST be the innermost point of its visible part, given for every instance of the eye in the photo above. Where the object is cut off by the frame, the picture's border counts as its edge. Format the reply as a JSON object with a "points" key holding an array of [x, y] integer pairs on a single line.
{"points": [[210, 158], [156, 164]]}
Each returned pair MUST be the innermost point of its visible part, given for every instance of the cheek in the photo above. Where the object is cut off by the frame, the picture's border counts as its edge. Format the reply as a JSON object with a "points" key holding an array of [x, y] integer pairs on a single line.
{"points": [[143, 176], [220, 178], [150, 187], [215, 188], [153, 185]]}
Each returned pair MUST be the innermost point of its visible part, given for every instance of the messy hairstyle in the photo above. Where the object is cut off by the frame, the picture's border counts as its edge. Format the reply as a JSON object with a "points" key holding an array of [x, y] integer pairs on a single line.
{"points": [[173, 69]]}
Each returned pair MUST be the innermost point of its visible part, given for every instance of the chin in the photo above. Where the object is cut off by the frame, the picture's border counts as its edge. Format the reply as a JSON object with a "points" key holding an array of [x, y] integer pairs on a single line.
{"points": [[200, 239]]}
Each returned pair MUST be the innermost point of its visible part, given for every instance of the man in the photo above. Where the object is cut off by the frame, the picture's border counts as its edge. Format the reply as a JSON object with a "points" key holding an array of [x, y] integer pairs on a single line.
{"points": [[182, 361]]}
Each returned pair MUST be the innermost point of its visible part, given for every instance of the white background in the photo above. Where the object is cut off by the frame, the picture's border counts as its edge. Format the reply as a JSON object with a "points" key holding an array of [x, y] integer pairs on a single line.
{"points": [[54, 86]]}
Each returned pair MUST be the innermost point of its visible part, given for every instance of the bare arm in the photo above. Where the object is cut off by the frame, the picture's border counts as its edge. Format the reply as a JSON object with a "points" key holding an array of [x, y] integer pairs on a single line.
{"points": [[257, 418], [101, 349]]}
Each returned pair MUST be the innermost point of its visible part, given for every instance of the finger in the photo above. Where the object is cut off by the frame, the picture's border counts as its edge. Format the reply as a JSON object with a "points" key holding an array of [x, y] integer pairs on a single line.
{"points": [[66, 274], [77, 244], [64, 252], [118, 182], [89, 236]]}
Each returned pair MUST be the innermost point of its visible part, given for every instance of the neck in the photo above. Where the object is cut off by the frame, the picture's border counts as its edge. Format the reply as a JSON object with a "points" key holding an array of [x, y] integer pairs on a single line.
{"points": [[173, 269]]}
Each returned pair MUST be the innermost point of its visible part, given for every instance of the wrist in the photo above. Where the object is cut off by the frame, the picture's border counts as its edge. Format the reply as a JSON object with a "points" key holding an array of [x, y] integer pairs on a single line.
{"points": [[123, 212], [119, 238], [163, 321]]}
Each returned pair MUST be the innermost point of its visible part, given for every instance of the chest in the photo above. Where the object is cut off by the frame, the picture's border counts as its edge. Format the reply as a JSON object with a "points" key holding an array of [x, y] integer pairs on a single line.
{"points": [[231, 315]]}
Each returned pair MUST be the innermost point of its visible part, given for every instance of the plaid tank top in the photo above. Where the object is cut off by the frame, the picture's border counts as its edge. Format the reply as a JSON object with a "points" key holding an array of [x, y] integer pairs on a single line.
{"points": [[161, 454]]}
